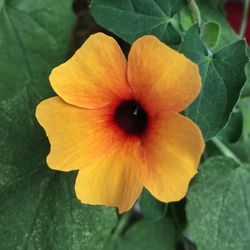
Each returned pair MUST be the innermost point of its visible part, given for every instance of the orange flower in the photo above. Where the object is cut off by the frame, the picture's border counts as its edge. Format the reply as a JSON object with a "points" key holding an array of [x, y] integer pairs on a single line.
{"points": [[118, 121]]}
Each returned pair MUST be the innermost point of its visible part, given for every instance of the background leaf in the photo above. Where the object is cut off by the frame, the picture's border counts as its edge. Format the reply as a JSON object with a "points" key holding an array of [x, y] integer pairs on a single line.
{"points": [[210, 34], [212, 12], [146, 235], [218, 206], [233, 130], [39, 209], [151, 207], [242, 147], [130, 19], [222, 81], [186, 19]]}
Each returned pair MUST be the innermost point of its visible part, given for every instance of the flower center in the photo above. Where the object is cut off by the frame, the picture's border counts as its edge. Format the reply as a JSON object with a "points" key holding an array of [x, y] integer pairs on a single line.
{"points": [[131, 117]]}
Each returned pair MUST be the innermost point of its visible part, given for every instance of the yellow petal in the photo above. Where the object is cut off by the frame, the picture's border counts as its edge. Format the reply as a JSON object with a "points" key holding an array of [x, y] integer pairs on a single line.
{"points": [[160, 77], [77, 136], [115, 179], [173, 147], [95, 76]]}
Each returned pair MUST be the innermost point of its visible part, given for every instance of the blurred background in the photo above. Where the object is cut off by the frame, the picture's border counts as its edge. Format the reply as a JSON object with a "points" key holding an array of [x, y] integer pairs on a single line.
{"points": [[234, 11]]}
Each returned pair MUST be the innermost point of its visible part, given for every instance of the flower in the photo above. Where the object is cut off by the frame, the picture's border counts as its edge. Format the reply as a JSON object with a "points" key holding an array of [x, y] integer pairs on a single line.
{"points": [[117, 121]]}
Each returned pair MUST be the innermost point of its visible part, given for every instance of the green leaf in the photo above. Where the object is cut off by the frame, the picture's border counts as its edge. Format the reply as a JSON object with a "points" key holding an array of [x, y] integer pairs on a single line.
{"points": [[210, 12], [195, 11], [242, 147], [186, 19], [246, 90], [223, 78], [245, 109], [233, 130], [130, 19], [210, 34], [146, 235], [236, 127], [152, 208], [39, 209], [218, 206], [242, 150]]}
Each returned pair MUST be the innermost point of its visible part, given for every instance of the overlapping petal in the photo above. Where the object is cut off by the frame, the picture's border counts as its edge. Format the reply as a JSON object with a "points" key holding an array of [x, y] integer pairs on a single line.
{"points": [[95, 76], [77, 136], [173, 147], [160, 77], [116, 179]]}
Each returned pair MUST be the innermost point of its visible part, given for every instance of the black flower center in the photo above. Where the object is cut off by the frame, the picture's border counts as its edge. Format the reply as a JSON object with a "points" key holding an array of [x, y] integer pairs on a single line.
{"points": [[131, 117]]}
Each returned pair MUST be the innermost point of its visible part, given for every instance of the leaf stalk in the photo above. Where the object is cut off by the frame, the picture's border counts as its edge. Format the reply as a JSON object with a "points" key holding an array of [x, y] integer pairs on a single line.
{"points": [[244, 19], [225, 150], [122, 223]]}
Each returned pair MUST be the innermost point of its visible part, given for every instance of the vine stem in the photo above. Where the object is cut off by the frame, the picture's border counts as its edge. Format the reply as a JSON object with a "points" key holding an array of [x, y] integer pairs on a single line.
{"points": [[123, 221], [244, 19], [195, 11], [225, 150]]}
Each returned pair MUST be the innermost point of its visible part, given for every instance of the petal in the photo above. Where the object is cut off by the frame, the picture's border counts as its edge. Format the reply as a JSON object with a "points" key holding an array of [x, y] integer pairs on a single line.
{"points": [[77, 136], [95, 76], [160, 77], [173, 148], [115, 179]]}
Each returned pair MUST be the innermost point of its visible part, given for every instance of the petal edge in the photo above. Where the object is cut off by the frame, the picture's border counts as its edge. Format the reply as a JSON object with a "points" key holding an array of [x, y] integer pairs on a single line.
{"points": [[173, 156]]}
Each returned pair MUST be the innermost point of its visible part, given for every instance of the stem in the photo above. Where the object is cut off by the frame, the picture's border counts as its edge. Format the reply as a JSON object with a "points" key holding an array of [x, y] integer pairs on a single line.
{"points": [[195, 11], [225, 150], [178, 226], [123, 221], [244, 19], [175, 217]]}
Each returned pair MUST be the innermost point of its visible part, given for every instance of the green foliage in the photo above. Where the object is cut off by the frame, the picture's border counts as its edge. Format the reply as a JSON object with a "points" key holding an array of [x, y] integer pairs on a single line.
{"points": [[186, 19], [246, 90], [222, 81], [242, 150], [210, 12], [146, 235], [210, 34], [233, 130], [242, 147], [130, 19], [38, 206], [244, 106], [152, 208], [39, 209], [218, 206]]}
